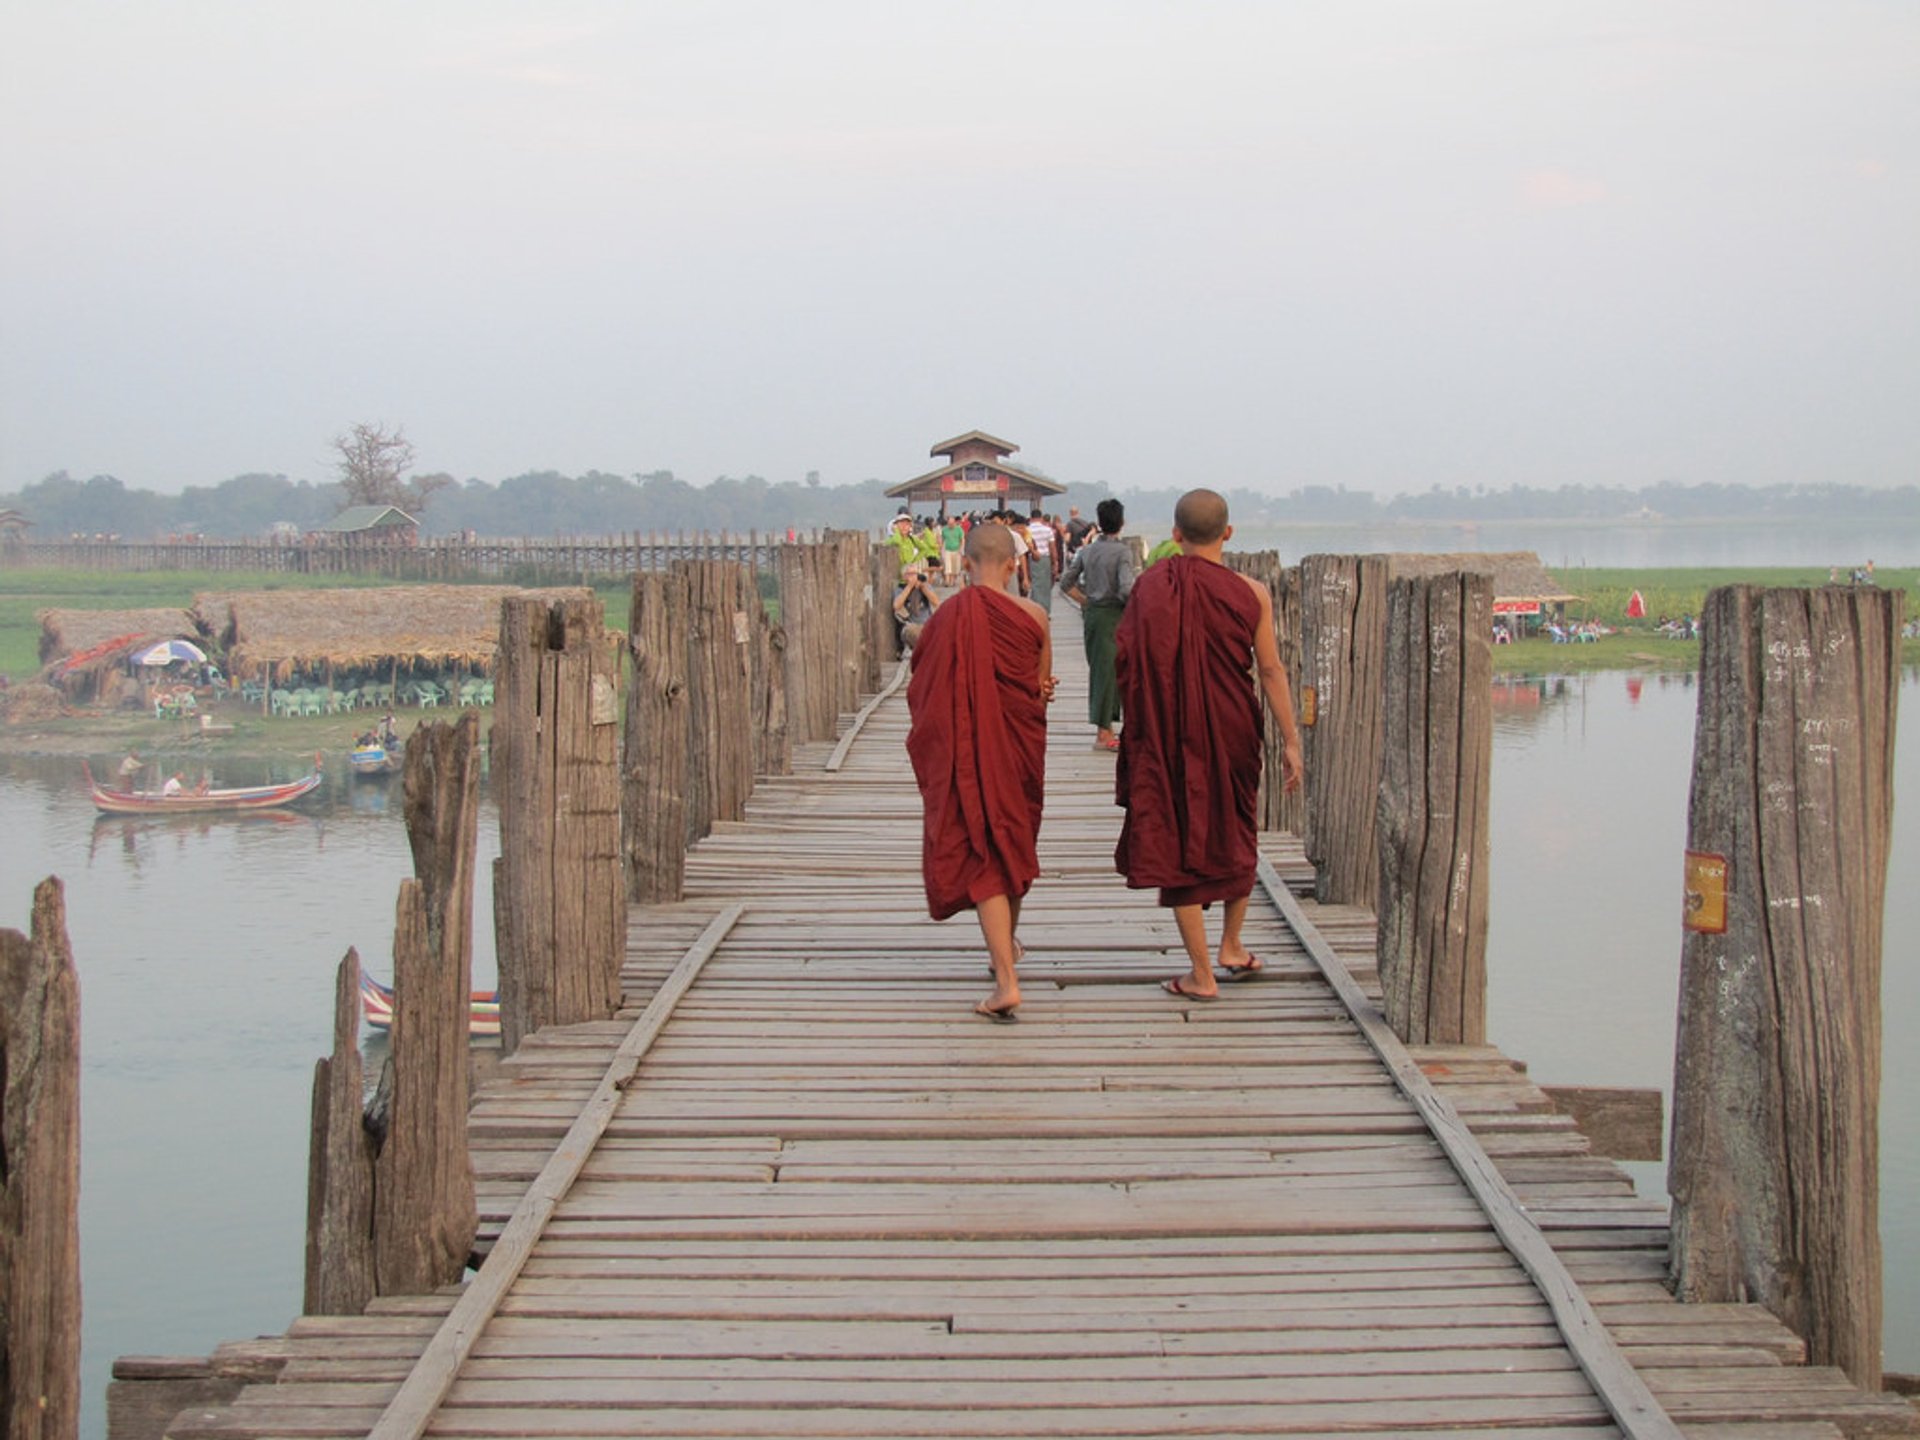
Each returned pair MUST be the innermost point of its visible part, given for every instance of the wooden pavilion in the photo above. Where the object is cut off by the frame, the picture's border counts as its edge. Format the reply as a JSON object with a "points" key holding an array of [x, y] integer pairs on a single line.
{"points": [[976, 475]]}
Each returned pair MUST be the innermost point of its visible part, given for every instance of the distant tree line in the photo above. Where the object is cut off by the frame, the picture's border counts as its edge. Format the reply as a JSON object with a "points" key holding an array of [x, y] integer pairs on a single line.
{"points": [[546, 502]]}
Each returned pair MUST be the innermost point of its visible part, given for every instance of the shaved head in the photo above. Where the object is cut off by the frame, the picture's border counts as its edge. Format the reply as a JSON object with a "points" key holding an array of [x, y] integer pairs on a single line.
{"points": [[1201, 516], [989, 544]]}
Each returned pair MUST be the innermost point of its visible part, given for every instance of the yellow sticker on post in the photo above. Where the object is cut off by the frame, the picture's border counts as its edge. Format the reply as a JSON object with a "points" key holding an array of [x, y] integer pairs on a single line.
{"points": [[1706, 892]]}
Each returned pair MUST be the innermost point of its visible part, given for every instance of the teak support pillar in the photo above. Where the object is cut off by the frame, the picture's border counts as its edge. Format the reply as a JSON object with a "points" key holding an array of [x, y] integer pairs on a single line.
{"points": [[40, 1184], [1278, 809], [1775, 1170], [1438, 752], [424, 1215], [723, 606], [340, 1156], [1343, 634], [559, 894], [653, 809]]}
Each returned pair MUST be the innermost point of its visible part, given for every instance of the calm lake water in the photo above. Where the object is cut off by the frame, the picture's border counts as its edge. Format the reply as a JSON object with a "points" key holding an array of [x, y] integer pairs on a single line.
{"points": [[206, 954], [1567, 544]]}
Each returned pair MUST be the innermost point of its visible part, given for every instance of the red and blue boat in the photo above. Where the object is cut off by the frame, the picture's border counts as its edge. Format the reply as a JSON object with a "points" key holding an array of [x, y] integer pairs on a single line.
{"points": [[186, 801], [376, 1005]]}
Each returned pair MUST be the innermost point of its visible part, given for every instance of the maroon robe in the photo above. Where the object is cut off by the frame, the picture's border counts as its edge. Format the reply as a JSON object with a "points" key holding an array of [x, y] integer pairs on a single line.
{"points": [[979, 748], [1189, 765]]}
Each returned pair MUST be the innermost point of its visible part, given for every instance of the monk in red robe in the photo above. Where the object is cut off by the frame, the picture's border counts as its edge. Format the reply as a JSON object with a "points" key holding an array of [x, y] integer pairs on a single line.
{"points": [[1192, 637], [982, 677]]}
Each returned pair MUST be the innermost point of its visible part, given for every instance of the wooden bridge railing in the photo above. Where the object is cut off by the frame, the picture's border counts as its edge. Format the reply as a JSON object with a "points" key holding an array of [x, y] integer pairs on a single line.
{"points": [[524, 559]]}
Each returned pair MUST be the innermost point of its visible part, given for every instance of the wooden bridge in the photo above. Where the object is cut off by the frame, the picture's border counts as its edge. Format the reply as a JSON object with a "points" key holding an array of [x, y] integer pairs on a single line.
{"points": [[798, 1188]]}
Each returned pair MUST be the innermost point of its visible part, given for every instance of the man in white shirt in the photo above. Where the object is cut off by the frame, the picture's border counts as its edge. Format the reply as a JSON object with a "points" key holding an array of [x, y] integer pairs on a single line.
{"points": [[176, 783], [1041, 537]]}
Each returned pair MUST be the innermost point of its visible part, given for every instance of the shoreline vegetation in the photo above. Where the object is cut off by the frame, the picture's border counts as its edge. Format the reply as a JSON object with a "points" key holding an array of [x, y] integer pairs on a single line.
{"points": [[1633, 645]]}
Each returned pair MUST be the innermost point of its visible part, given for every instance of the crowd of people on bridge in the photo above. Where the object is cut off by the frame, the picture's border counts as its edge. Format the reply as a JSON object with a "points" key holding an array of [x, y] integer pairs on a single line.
{"points": [[1175, 650]]}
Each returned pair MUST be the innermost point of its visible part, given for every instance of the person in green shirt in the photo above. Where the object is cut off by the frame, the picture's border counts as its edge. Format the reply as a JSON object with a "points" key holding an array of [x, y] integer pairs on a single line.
{"points": [[953, 544], [1165, 548]]}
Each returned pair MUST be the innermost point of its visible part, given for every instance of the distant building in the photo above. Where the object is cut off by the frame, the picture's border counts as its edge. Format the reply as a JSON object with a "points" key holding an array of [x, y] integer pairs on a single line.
{"points": [[376, 525], [976, 476]]}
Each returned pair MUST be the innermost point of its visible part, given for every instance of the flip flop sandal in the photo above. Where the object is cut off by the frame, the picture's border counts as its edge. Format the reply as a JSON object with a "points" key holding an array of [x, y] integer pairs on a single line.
{"points": [[1174, 987], [1235, 974], [1000, 1015]]}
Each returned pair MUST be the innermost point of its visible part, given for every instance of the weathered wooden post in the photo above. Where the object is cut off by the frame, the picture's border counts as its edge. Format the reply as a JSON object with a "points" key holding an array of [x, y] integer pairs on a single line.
{"points": [[559, 896], [1776, 1104], [802, 616], [849, 552], [40, 1181], [424, 1217], [772, 744], [882, 641], [722, 608], [653, 809], [1432, 811], [340, 1156], [825, 614], [1279, 810], [1343, 628]]}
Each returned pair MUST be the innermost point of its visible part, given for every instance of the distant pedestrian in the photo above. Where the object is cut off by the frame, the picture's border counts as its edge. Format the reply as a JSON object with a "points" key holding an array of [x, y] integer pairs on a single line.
{"points": [[1045, 542], [1098, 580]]}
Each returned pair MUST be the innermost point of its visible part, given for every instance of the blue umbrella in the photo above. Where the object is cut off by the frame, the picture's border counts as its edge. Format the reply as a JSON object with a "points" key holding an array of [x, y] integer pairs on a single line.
{"points": [[168, 651]]}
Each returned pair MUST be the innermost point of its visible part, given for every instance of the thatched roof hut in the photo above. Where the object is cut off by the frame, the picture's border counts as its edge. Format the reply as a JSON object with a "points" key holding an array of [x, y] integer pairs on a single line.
{"points": [[432, 627], [84, 652], [1519, 579], [71, 632]]}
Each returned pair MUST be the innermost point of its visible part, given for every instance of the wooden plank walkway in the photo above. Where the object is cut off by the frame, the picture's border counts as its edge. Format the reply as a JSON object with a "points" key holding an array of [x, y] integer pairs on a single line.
{"points": [[834, 1202]]}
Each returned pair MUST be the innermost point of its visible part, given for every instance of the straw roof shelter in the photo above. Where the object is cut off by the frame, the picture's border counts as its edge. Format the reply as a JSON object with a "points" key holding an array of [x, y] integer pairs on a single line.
{"points": [[408, 627], [84, 652], [1521, 584], [70, 632]]}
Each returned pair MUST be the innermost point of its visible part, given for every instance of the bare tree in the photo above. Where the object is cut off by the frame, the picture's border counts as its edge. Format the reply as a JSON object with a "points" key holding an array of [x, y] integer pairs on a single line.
{"points": [[373, 460]]}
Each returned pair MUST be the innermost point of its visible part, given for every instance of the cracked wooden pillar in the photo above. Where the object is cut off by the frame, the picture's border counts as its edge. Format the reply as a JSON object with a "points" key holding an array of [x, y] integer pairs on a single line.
{"points": [[340, 1157], [1776, 1096], [1279, 809], [1343, 632], [1432, 812], [40, 1180], [559, 893], [424, 1216], [653, 805], [721, 604]]}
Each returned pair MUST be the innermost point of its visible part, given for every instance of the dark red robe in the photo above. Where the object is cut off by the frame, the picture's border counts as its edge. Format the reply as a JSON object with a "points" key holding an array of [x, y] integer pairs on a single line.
{"points": [[979, 748], [1189, 765]]}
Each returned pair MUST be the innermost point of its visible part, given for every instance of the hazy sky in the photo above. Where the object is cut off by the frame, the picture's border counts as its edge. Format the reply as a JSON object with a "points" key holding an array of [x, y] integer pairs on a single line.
{"points": [[1384, 245]]}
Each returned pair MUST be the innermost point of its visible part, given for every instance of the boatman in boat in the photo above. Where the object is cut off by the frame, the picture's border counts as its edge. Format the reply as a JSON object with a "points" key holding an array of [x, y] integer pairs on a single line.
{"points": [[130, 768], [982, 677], [1192, 633]]}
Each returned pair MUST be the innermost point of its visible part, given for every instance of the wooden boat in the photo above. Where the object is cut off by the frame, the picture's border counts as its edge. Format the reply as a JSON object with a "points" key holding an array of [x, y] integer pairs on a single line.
{"points": [[376, 1004], [376, 759], [190, 802]]}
